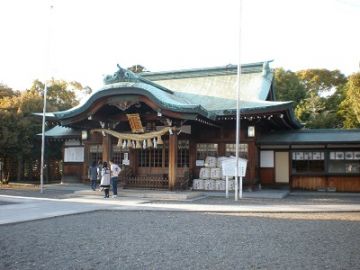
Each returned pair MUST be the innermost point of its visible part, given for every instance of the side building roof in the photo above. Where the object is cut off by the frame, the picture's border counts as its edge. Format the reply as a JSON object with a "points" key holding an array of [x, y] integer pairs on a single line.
{"points": [[62, 132], [311, 136]]}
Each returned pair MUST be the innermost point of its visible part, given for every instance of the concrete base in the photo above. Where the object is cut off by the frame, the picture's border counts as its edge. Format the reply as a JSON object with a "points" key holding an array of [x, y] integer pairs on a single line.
{"points": [[70, 179], [164, 195], [260, 194], [152, 194]]}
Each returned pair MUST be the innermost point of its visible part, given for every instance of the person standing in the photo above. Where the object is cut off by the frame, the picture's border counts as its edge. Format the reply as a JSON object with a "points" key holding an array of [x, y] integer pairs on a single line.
{"points": [[105, 179], [115, 171], [99, 170], [93, 174]]}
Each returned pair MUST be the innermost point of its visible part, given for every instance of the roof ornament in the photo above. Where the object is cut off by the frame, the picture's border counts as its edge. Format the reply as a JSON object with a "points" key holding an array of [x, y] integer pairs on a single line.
{"points": [[121, 75], [266, 68]]}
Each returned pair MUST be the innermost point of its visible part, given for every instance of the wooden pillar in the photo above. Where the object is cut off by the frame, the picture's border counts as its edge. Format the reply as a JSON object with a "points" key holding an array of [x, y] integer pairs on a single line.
{"points": [[221, 149], [106, 144], [173, 149], [133, 154], [86, 162], [192, 156], [252, 161]]}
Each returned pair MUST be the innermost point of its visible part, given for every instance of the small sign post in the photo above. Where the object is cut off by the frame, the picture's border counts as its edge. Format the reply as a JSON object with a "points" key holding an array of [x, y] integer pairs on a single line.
{"points": [[229, 169]]}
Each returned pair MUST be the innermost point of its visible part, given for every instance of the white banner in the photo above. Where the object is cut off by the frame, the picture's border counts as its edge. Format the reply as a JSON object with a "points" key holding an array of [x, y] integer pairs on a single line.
{"points": [[74, 154]]}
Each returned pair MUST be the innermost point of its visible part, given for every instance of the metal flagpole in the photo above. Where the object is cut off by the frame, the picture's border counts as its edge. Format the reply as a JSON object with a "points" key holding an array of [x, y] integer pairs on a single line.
{"points": [[238, 114], [42, 166], [43, 142]]}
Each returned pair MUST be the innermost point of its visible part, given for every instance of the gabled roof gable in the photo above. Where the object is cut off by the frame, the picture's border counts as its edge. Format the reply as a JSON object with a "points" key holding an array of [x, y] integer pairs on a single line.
{"points": [[255, 82]]}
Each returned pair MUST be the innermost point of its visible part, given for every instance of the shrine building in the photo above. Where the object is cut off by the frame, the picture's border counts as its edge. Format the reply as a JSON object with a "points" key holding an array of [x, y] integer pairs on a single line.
{"points": [[161, 127]]}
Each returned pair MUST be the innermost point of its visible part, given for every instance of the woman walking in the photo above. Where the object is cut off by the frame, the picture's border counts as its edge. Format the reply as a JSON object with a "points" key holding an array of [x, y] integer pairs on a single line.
{"points": [[105, 179]]}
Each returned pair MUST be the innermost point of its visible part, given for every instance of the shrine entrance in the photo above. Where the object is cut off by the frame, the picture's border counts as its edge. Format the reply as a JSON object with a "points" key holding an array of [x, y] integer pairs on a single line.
{"points": [[153, 159]]}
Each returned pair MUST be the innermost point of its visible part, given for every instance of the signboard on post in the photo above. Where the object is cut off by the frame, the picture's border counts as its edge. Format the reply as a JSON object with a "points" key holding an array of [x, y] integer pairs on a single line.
{"points": [[228, 166], [228, 169]]}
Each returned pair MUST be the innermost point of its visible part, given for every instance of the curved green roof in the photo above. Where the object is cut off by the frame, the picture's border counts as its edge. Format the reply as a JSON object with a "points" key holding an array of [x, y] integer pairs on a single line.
{"points": [[188, 94], [206, 106], [164, 99]]}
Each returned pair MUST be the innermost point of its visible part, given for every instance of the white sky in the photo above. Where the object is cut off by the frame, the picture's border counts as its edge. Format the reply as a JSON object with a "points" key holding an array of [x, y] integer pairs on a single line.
{"points": [[83, 40]]}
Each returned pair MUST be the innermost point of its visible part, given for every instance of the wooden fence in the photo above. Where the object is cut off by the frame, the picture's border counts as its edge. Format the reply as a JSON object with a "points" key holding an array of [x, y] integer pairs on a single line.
{"points": [[29, 170]]}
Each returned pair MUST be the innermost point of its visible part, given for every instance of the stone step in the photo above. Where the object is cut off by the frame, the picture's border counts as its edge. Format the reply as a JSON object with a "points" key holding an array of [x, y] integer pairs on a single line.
{"points": [[70, 179], [151, 194]]}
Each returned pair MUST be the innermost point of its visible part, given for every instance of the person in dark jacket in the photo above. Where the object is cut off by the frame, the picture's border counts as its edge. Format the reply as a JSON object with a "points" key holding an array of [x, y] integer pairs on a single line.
{"points": [[93, 174]]}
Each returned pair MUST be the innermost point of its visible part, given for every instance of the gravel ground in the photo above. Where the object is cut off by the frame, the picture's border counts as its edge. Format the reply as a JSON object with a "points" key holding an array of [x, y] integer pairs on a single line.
{"points": [[181, 240], [4, 203]]}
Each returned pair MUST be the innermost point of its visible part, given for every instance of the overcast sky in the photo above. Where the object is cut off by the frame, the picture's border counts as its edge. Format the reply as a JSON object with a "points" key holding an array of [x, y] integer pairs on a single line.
{"points": [[83, 40]]}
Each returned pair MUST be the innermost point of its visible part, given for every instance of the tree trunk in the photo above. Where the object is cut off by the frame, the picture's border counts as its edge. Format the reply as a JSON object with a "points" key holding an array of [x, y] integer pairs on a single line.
{"points": [[20, 168]]}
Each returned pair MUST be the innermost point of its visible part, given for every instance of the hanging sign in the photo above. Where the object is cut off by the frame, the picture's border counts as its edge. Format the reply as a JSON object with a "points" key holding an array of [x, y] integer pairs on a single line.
{"points": [[74, 154], [126, 160], [135, 123], [200, 163]]}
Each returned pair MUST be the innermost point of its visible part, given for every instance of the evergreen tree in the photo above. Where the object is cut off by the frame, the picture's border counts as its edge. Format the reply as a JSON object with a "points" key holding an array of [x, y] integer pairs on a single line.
{"points": [[349, 108]]}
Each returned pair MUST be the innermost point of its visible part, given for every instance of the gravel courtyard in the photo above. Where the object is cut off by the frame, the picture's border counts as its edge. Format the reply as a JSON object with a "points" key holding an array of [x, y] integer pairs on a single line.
{"points": [[183, 240]]}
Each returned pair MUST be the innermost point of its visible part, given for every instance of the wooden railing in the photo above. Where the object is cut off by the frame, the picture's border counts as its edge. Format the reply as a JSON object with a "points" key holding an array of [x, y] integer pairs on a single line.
{"points": [[152, 182]]}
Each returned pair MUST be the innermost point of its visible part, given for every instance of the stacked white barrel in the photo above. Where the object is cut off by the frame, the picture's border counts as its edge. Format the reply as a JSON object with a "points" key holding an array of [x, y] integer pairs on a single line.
{"points": [[210, 176], [205, 173]]}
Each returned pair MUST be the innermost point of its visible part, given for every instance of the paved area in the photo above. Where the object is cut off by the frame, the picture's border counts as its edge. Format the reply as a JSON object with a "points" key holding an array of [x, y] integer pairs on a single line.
{"points": [[182, 240], [82, 190], [19, 205]]}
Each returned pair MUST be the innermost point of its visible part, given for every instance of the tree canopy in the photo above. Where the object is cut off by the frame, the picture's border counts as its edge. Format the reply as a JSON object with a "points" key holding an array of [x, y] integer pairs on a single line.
{"points": [[317, 94], [349, 108], [18, 127], [61, 95], [321, 81], [6, 91], [288, 86]]}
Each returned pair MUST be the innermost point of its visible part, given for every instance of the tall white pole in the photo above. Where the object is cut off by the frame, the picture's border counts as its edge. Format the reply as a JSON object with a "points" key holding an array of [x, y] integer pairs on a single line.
{"points": [[47, 60], [238, 113], [43, 142]]}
